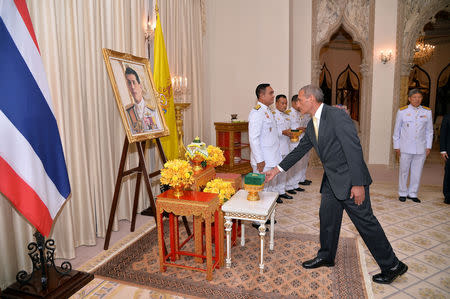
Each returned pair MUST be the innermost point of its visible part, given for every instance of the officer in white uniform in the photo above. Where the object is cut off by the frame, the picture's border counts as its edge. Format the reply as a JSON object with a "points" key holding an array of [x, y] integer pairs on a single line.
{"points": [[294, 173], [284, 133], [263, 136], [413, 136]]}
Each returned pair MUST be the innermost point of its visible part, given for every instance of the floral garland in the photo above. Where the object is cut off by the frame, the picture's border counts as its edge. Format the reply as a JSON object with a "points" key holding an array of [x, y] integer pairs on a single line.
{"points": [[215, 156], [177, 173], [221, 187]]}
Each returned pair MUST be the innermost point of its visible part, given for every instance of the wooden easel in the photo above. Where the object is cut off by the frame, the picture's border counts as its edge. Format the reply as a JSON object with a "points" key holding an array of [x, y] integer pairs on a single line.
{"points": [[141, 171]]}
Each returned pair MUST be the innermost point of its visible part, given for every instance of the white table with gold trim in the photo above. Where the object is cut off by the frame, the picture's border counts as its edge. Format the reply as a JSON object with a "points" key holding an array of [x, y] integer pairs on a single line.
{"points": [[238, 207]]}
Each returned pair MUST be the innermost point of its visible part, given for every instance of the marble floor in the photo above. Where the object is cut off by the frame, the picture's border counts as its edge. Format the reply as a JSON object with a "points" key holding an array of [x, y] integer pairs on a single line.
{"points": [[418, 232]]}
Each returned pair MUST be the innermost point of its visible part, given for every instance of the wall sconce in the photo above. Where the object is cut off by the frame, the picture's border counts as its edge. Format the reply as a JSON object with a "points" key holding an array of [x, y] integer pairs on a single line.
{"points": [[150, 31], [385, 56]]}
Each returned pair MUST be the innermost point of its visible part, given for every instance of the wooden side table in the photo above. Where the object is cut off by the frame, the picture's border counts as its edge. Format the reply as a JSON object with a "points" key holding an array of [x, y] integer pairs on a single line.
{"points": [[202, 206], [238, 207]]}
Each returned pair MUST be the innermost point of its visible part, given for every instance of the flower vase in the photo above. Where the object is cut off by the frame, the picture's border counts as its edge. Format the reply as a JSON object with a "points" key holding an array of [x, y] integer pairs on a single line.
{"points": [[178, 191], [197, 164]]}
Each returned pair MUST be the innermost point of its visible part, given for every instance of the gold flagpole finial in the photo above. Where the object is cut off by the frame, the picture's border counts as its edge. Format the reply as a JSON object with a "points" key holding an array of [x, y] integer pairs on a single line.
{"points": [[156, 6]]}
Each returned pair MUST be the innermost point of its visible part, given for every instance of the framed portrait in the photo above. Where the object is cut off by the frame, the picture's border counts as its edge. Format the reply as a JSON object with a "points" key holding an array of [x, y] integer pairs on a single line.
{"points": [[136, 97]]}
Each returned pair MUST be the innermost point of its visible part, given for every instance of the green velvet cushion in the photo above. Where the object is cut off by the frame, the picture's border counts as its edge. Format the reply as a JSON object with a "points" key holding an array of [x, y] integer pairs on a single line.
{"points": [[254, 179]]}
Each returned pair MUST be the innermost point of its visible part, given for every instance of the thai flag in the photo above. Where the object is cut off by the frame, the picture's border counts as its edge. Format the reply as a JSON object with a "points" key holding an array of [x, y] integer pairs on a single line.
{"points": [[33, 174]]}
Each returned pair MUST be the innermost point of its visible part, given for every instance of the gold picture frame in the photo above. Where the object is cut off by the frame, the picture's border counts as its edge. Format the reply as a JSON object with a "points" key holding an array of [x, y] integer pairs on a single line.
{"points": [[136, 97]]}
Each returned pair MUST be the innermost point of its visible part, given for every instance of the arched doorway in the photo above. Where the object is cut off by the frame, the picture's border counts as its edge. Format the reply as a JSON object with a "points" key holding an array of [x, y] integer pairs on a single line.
{"points": [[420, 79], [347, 91], [443, 93], [326, 84], [342, 57]]}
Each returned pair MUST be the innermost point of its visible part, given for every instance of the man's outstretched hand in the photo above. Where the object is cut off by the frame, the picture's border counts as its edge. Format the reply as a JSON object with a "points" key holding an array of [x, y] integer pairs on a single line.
{"points": [[271, 174]]}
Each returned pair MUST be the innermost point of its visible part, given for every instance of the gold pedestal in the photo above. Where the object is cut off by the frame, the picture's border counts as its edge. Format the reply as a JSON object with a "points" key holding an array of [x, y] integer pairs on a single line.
{"points": [[179, 107], [253, 191]]}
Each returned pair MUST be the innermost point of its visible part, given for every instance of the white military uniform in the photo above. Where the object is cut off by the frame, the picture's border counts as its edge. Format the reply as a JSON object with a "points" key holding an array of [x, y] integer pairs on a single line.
{"points": [[293, 174], [304, 120], [264, 142], [283, 123], [413, 134]]}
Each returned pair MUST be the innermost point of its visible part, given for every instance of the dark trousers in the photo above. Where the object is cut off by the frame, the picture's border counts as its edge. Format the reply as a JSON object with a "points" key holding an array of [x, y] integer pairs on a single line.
{"points": [[366, 223], [447, 181]]}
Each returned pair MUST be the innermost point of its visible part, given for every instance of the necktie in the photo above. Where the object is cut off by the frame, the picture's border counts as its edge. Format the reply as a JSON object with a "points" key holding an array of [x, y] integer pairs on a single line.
{"points": [[316, 128]]}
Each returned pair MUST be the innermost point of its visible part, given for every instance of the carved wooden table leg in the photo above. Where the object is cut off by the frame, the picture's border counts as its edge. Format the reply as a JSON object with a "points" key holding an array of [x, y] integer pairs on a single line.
{"points": [[198, 238], [208, 247]]}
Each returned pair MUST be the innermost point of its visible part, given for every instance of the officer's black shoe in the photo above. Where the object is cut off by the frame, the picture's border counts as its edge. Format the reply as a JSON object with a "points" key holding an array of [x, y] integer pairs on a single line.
{"points": [[291, 191], [279, 200], [268, 221], [415, 199], [286, 196], [305, 183], [447, 200], [299, 189], [402, 198]]}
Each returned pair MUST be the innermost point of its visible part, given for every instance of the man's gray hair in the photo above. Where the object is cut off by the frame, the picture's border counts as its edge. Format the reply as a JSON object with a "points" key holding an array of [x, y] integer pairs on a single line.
{"points": [[413, 92], [310, 90]]}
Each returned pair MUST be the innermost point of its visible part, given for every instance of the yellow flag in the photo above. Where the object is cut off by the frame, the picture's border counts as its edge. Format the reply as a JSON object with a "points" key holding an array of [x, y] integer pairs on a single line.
{"points": [[163, 85]]}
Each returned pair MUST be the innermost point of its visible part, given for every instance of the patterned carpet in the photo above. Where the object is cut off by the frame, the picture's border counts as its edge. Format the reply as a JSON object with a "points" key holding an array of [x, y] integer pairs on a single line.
{"points": [[283, 275], [419, 234]]}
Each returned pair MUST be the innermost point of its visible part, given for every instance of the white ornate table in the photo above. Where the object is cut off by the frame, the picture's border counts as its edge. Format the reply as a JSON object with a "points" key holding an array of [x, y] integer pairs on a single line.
{"points": [[238, 207]]}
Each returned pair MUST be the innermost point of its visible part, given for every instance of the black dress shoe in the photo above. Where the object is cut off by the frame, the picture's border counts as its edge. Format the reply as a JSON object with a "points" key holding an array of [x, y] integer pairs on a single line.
{"points": [[305, 183], [286, 196], [268, 221], [279, 200], [386, 277], [316, 263], [402, 198], [447, 200], [299, 189], [415, 199], [291, 191]]}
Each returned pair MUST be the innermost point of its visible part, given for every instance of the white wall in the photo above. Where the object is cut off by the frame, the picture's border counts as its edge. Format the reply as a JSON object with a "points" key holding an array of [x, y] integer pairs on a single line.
{"points": [[300, 47], [246, 43], [383, 82]]}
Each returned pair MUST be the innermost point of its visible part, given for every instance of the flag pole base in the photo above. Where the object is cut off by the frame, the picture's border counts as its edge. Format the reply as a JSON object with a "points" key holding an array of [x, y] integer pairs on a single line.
{"points": [[46, 280]]}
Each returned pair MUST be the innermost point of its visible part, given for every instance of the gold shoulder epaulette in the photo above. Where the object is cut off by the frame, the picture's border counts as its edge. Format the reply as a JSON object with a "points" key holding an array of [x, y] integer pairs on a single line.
{"points": [[273, 112], [425, 107], [287, 111], [129, 106], [257, 106], [404, 107]]}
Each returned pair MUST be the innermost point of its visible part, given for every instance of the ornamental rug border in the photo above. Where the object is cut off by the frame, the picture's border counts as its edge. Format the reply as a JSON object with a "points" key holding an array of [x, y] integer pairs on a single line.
{"points": [[139, 264]]}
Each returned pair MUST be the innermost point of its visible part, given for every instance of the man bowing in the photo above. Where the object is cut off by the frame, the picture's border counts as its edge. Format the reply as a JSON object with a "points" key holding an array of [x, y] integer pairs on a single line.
{"points": [[345, 184]]}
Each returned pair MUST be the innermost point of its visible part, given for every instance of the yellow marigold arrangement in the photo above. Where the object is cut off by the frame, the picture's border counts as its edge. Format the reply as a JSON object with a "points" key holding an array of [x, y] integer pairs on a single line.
{"points": [[215, 156], [177, 173], [221, 187]]}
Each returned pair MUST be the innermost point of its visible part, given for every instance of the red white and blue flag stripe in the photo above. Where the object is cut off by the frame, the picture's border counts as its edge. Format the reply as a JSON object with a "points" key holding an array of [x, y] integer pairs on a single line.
{"points": [[33, 173]]}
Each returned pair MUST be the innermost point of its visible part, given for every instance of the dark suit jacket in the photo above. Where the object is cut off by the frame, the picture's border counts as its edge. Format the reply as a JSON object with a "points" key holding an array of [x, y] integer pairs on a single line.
{"points": [[339, 150], [445, 134]]}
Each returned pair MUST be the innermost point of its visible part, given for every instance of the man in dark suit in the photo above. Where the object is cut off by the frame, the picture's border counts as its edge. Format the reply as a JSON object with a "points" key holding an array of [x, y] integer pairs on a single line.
{"points": [[445, 147], [345, 184]]}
